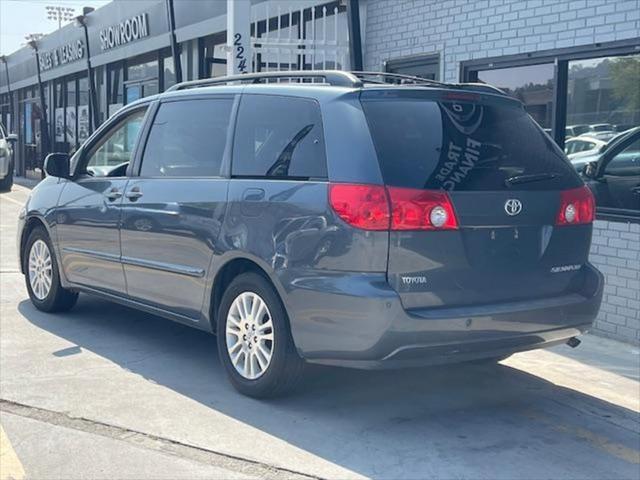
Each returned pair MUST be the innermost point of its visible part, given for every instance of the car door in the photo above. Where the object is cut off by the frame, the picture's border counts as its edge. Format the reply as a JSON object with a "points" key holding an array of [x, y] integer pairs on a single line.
{"points": [[172, 211], [621, 176], [88, 212]]}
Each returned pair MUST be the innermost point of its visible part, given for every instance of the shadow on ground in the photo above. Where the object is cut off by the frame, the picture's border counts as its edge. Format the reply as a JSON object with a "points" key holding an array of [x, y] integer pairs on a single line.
{"points": [[488, 421]]}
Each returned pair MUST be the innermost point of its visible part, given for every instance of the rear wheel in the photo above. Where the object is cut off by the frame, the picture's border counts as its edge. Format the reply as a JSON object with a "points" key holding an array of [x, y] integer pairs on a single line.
{"points": [[254, 341], [42, 276]]}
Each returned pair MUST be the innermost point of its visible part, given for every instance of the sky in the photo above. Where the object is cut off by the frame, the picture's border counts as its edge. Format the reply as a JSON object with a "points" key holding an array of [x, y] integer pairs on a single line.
{"points": [[21, 17]]}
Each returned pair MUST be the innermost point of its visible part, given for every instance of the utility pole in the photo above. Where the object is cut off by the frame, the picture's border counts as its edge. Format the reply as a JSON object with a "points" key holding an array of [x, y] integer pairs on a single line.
{"points": [[60, 14], [82, 20]]}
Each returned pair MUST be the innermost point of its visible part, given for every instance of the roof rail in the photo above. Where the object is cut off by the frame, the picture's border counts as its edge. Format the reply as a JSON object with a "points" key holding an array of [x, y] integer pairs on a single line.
{"points": [[482, 87], [399, 77], [336, 78]]}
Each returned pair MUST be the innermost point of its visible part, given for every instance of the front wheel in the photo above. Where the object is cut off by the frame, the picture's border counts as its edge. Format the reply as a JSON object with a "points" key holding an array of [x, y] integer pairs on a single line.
{"points": [[7, 182], [254, 341], [42, 275]]}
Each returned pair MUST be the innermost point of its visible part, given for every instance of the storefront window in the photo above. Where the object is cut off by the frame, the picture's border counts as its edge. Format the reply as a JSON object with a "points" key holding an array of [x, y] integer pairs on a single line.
{"points": [[83, 109], [142, 78], [531, 84], [70, 114], [603, 96], [168, 72], [115, 89]]}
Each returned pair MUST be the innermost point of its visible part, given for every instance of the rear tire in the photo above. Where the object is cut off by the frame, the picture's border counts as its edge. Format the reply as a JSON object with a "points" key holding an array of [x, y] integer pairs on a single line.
{"points": [[42, 276], [255, 345]]}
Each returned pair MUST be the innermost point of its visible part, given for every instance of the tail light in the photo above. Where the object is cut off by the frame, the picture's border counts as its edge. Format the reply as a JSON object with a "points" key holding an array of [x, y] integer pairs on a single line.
{"points": [[374, 207], [421, 210], [362, 206], [577, 207]]}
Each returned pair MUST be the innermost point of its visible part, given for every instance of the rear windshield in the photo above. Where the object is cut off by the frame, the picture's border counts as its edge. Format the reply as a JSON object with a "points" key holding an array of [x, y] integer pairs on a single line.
{"points": [[462, 144]]}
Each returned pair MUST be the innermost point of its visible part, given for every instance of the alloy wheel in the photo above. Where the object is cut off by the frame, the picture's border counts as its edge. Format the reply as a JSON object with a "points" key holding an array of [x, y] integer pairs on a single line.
{"points": [[249, 335], [40, 269]]}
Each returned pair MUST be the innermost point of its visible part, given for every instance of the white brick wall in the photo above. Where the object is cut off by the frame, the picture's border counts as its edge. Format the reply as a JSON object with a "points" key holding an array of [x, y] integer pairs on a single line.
{"points": [[615, 251], [466, 29]]}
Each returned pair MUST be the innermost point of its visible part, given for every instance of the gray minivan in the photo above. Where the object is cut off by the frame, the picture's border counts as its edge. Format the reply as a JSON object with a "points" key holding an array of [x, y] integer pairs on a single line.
{"points": [[334, 219]]}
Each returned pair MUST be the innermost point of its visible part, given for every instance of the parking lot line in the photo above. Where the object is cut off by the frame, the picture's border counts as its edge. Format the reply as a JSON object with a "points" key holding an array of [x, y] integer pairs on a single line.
{"points": [[10, 466]]}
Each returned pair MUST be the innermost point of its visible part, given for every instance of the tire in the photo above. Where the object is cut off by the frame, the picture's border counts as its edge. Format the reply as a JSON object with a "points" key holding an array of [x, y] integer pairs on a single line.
{"points": [[55, 298], [261, 378], [7, 182]]}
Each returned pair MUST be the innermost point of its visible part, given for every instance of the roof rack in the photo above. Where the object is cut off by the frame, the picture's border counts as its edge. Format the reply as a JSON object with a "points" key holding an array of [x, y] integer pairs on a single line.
{"points": [[336, 78], [481, 87], [401, 79]]}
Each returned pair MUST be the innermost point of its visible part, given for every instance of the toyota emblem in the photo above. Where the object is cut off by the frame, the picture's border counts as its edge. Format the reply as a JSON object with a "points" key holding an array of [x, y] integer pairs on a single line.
{"points": [[513, 207]]}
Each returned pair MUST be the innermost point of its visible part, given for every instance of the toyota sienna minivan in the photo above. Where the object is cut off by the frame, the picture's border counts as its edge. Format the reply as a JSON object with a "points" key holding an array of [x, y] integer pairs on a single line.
{"points": [[322, 217]]}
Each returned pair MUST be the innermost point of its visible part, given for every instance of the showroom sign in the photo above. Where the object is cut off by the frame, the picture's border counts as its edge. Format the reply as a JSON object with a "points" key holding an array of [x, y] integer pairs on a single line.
{"points": [[62, 55], [127, 31]]}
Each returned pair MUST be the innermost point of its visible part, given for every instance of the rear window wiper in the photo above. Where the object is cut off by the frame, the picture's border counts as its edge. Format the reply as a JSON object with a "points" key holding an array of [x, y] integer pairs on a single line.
{"points": [[534, 177]]}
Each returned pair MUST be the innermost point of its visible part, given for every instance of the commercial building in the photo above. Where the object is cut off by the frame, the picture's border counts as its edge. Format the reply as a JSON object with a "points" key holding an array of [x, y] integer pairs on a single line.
{"points": [[571, 62]]}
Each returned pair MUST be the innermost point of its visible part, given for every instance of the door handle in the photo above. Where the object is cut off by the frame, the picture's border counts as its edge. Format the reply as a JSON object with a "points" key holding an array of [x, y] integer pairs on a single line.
{"points": [[113, 194], [636, 190], [253, 195], [133, 194]]}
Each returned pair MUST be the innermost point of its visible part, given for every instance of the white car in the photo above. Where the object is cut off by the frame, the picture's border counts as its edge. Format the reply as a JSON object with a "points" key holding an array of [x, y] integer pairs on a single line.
{"points": [[6, 159], [581, 145]]}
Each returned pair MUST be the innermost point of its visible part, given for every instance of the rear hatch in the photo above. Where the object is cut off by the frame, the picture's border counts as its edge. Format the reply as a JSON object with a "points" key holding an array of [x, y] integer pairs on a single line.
{"points": [[507, 183]]}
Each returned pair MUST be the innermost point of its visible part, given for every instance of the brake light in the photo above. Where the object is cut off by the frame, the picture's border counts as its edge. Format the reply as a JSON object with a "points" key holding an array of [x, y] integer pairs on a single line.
{"points": [[421, 210], [374, 207], [362, 206], [577, 207]]}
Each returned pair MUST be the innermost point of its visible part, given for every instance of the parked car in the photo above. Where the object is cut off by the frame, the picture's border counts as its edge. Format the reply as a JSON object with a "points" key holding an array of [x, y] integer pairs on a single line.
{"points": [[614, 176], [602, 127], [6, 159], [575, 130], [347, 223], [582, 145], [605, 135]]}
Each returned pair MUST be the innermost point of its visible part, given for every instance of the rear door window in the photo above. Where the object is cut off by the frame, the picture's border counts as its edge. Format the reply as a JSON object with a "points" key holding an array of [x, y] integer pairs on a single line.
{"points": [[188, 139], [279, 137], [462, 142]]}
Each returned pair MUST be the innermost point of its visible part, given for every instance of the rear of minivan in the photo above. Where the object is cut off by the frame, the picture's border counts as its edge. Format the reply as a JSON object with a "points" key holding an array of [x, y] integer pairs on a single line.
{"points": [[489, 229]]}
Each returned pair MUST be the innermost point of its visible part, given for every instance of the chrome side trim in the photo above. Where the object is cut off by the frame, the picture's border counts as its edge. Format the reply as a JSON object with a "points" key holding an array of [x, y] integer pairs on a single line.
{"points": [[165, 267], [137, 262], [110, 257]]}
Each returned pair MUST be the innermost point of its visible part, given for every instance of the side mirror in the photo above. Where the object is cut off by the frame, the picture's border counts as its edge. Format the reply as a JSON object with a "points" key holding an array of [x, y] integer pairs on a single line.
{"points": [[12, 137], [590, 169], [57, 165]]}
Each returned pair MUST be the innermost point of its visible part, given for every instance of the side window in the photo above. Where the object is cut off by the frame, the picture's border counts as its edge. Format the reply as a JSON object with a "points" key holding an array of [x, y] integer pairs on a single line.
{"points": [[279, 137], [625, 163], [187, 139], [113, 152]]}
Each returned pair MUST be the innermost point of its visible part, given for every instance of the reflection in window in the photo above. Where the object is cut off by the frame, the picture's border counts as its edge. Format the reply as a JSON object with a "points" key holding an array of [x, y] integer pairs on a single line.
{"points": [[532, 85], [603, 96], [116, 148]]}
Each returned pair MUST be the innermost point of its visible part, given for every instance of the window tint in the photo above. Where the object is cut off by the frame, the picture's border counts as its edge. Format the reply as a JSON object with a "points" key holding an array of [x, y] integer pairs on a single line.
{"points": [[626, 163], [113, 152], [279, 137], [436, 143], [188, 139]]}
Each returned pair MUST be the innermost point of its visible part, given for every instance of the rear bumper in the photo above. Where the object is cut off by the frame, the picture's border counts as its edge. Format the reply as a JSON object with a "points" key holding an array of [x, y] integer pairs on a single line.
{"points": [[358, 321]]}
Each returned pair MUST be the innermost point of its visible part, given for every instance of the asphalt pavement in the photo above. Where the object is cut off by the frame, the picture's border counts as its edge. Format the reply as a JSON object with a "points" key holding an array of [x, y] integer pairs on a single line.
{"points": [[104, 391]]}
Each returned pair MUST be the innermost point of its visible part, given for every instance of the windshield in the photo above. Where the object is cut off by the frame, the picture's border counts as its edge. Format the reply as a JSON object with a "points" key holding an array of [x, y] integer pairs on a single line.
{"points": [[459, 145]]}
